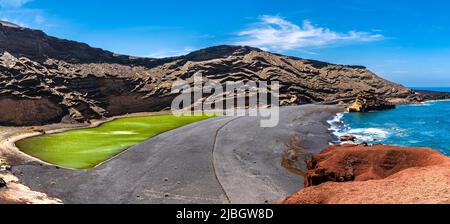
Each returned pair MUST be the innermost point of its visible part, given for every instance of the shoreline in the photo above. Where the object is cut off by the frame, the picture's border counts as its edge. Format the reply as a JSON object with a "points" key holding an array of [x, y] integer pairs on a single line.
{"points": [[432, 101], [185, 149], [379, 174], [8, 139], [48, 173], [400, 177], [339, 128], [11, 135], [11, 156]]}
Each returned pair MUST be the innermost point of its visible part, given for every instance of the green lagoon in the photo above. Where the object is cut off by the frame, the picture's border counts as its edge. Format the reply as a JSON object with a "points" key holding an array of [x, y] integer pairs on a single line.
{"points": [[86, 148]]}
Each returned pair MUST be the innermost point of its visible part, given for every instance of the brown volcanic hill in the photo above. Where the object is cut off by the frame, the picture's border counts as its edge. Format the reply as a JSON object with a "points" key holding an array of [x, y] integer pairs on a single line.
{"points": [[44, 79]]}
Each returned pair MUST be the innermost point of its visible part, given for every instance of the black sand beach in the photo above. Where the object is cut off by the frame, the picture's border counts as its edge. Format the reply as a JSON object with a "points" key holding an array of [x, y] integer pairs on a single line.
{"points": [[221, 160]]}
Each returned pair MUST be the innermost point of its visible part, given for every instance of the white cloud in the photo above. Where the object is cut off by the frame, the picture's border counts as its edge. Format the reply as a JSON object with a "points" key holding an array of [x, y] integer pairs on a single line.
{"points": [[171, 53], [31, 18], [13, 3], [12, 11], [15, 12], [278, 34]]}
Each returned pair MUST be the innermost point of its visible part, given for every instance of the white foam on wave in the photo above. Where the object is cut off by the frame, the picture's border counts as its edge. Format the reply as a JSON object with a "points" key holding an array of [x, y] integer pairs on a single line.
{"points": [[436, 101], [336, 122], [336, 125], [422, 104], [369, 135], [336, 118]]}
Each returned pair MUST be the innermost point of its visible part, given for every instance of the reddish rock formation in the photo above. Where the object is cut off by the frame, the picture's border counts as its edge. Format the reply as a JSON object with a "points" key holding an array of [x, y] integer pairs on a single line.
{"points": [[376, 174]]}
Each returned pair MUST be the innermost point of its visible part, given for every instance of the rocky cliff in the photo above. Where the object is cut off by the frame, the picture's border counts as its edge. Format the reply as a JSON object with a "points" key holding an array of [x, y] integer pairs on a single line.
{"points": [[377, 174], [44, 79], [369, 101]]}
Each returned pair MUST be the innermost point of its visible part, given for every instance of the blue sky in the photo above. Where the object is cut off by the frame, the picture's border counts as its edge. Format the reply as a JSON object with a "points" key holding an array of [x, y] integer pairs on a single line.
{"points": [[404, 41]]}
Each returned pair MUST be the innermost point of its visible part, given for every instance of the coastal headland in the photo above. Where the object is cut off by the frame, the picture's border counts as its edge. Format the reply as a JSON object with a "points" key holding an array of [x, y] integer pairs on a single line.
{"points": [[379, 174], [205, 162], [51, 85]]}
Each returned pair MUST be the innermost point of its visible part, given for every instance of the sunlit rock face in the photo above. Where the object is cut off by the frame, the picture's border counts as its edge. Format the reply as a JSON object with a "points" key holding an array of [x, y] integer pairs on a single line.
{"points": [[78, 82]]}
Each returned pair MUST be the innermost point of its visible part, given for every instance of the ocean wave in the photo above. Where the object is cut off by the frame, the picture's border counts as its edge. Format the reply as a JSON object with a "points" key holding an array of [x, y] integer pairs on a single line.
{"points": [[427, 103], [408, 125], [336, 119], [336, 124], [422, 104], [369, 135]]}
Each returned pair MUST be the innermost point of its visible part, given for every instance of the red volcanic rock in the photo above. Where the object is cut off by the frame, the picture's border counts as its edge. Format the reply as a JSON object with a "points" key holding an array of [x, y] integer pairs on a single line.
{"points": [[375, 175], [359, 163]]}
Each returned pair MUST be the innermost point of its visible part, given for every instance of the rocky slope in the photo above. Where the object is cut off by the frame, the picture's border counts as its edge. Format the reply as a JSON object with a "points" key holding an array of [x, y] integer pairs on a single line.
{"points": [[369, 101], [375, 175], [432, 95], [12, 192], [44, 79]]}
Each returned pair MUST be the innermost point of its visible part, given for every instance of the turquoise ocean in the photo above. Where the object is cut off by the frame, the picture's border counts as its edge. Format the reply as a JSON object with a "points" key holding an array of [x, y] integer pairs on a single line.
{"points": [[422, 125]]}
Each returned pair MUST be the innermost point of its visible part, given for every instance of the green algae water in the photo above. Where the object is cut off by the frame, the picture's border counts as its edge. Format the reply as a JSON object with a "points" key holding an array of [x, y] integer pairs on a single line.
{"points": [[86, 148]]}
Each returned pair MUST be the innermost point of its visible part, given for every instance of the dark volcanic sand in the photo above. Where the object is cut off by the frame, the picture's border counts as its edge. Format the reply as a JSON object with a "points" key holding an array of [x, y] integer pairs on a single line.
{"points": [[221, 160]]}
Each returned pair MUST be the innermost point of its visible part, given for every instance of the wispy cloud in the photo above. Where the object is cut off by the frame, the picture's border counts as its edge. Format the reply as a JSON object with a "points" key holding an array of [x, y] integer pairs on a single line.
{"points": [[171, 53], [13, 3], [15, 11], [278, 34], [32, 18]]}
